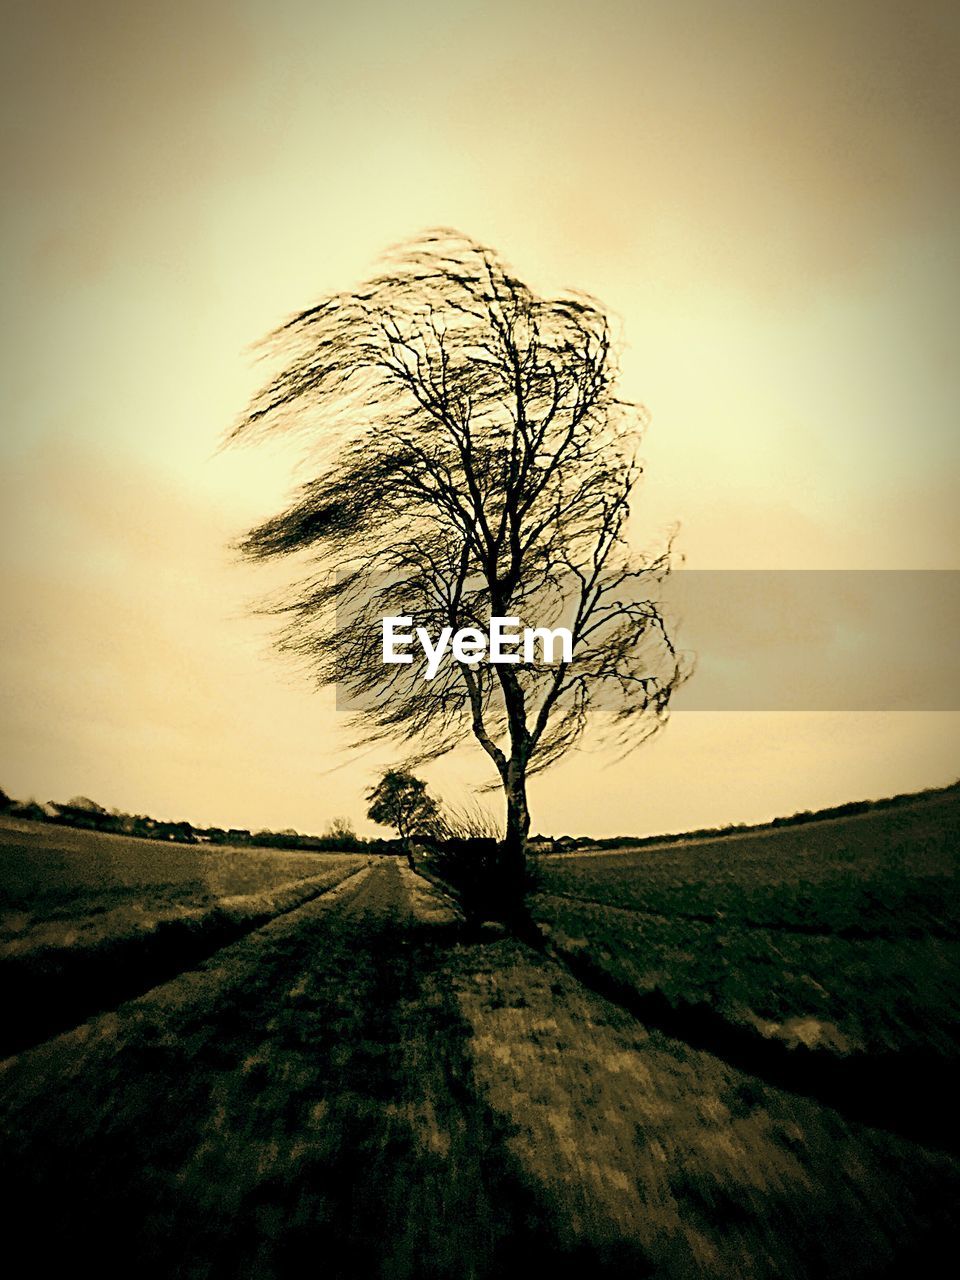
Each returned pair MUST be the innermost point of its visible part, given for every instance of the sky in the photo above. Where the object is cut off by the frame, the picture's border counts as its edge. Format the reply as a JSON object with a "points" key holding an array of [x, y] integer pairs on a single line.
{"points": [[765, 195]]}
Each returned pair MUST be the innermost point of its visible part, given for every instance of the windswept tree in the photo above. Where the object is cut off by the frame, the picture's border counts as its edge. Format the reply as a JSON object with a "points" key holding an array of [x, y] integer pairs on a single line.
{"points": [[401, 801], [472, 459]]}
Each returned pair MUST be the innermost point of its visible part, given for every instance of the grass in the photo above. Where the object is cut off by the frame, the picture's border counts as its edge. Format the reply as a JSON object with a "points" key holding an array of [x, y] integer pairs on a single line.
{"points": [[664, 1160], [357, 1086], [302, 1102], [348, 1091], [885, 873], [51, 873], [103, 929], [841, 935]]}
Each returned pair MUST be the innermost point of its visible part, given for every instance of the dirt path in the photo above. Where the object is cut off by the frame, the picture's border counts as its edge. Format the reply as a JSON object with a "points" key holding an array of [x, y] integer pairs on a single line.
{"points": [[393, 892], [304, 1094]]}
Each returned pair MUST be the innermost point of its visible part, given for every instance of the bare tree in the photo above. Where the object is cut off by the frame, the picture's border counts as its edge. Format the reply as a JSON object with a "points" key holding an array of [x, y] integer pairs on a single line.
{"points": [[340, 829], [473, 460]]}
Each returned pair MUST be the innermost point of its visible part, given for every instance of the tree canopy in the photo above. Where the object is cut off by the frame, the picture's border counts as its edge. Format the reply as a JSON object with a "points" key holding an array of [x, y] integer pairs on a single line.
{"points": [[401, 801]]}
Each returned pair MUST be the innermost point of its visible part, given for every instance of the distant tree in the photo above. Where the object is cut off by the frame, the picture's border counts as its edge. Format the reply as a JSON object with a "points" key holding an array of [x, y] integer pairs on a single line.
{"points": [[340, 829], [86, 804], [400, 800], [30, 809], [473, 460], [339, 834], [6, 802]]}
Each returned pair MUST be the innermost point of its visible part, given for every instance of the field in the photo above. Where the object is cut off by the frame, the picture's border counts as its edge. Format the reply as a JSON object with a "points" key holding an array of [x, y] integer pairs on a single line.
{"points": [[837, 941], [840, 934], [90, 919], [328, 1073]]}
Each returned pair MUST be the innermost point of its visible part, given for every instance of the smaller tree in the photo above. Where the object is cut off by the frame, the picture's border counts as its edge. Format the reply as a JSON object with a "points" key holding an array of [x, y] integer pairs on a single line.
{"points": [[339, 834], [340, 829], [400, 800]]}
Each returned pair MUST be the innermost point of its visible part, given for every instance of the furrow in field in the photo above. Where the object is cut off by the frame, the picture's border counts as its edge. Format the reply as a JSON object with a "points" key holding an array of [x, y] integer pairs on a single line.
{"points": [[906, 1091], [850, 932], [51, 988]]}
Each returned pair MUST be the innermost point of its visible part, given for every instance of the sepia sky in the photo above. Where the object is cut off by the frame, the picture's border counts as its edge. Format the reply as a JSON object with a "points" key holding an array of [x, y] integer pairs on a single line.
{"points": [[766, 195]]}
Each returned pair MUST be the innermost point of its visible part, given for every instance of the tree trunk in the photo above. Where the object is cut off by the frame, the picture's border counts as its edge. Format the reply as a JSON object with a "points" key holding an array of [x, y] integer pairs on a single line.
{"points": [[514, 857], [407, 843]]}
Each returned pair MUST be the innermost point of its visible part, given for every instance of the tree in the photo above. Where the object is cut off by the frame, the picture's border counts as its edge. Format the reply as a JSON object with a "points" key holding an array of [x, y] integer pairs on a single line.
{"points": [[86, 804], [473, 460], [339, 834], [400, 800], [340, 829]]}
